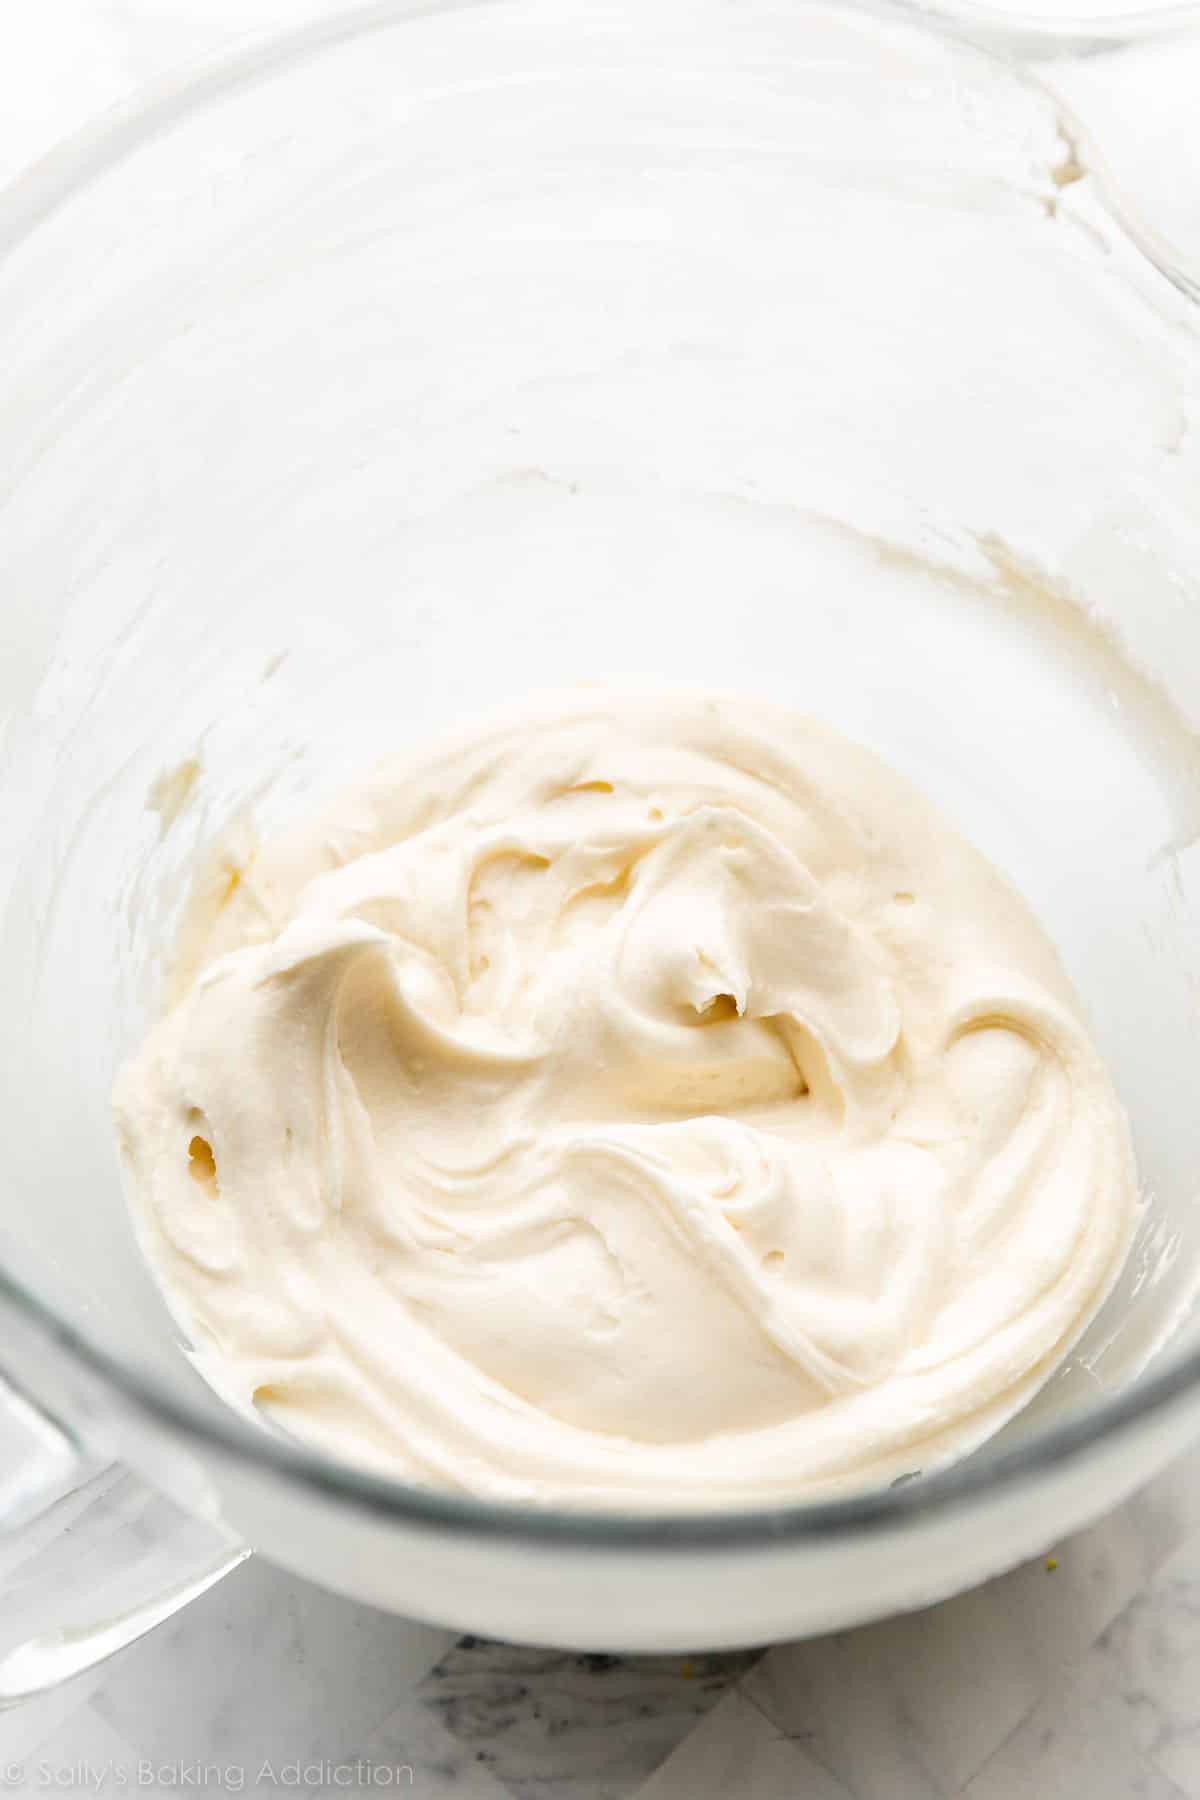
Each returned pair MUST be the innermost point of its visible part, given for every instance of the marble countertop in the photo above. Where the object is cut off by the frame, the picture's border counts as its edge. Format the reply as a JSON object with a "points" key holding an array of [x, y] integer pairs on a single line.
{"points": [[1077, 1676]]}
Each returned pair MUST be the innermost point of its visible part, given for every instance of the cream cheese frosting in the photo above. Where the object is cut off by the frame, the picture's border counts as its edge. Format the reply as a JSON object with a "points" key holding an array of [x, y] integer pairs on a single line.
{"points": [[644, 1099]]}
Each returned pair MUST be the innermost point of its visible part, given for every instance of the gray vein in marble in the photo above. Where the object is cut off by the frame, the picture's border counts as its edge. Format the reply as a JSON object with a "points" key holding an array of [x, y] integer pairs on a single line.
{"points": [[736, 1751], [1090, 1734], [1150, 1659], [552, 1726], [444, 1768], [938, 1692]]}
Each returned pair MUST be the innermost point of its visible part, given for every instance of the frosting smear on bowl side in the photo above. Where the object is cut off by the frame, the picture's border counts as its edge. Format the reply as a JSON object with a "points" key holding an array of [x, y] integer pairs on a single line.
{"points": [[645, 1099]]}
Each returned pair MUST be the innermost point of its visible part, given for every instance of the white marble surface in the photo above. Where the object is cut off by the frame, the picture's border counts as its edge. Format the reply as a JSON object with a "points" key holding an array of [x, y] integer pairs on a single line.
{"points": [[1065, 1682]]}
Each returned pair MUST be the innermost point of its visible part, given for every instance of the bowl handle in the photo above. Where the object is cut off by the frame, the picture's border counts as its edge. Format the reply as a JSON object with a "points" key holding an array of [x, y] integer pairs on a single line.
{"points": [[91, 1556]]}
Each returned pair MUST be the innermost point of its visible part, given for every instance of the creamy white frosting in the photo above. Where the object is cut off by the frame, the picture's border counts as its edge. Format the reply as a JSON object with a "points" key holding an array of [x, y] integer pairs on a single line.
{"points": [[643, 1099]]}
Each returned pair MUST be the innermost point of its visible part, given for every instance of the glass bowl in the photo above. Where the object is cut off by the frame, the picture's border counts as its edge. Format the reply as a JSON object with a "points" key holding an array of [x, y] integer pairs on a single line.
{"points": [[433, 355]]}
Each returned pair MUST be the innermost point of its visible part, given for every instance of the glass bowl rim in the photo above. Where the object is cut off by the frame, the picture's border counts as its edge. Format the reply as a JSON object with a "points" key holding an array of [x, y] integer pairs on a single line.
{"points": [[1077, 33]]}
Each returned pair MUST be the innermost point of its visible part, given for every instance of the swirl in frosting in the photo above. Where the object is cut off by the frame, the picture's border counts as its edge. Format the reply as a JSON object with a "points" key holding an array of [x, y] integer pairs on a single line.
{"points": [[643, 1100]]}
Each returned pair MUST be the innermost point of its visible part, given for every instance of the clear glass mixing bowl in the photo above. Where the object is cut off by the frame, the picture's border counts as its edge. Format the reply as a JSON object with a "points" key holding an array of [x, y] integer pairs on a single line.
{"points": [[435, 355]]}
